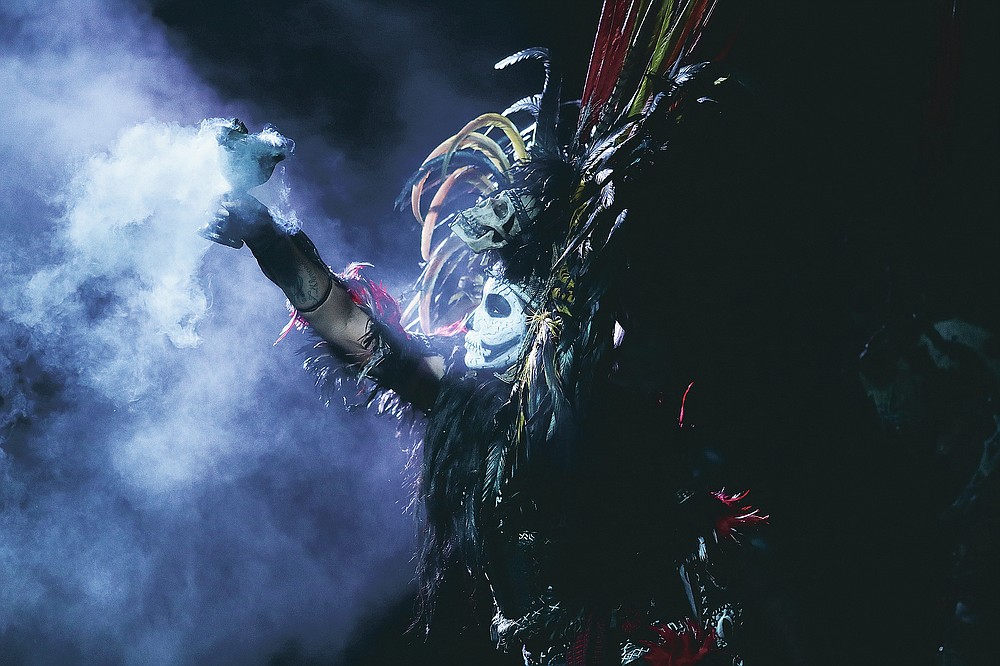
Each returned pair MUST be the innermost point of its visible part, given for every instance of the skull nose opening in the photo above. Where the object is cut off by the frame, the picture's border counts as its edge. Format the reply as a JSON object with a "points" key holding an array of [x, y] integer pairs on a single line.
{"points": [[496, 306]]}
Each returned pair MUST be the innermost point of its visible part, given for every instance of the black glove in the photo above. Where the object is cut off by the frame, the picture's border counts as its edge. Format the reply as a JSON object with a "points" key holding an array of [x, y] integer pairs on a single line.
{"points": [[239, 220]]}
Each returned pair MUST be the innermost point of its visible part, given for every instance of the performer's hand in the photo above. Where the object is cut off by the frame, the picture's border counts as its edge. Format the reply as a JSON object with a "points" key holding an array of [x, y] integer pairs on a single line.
{"points": [[246, 213], [236, 220]]}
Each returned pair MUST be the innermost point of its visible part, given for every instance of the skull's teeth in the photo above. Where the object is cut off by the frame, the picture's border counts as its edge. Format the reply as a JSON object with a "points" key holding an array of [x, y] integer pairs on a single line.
{"points": [[476, 347]]}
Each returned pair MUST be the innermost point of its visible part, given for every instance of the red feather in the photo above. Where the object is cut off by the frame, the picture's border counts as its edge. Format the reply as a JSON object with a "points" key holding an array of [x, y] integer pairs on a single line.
{"points": [[732, 515], [687, 646], [371, 295], [637, 40], [610, 48]]}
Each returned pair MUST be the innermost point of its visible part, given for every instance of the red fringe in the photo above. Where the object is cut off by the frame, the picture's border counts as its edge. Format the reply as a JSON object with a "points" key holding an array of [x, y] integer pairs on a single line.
{"points": [[453, 329], [733, 515], [371, 295], [295, 321], [366, 293], [680, 648]]}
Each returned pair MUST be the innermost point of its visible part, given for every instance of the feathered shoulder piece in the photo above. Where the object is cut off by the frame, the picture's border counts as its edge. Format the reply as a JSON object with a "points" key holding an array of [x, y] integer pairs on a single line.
{"points": [[381, 378]]}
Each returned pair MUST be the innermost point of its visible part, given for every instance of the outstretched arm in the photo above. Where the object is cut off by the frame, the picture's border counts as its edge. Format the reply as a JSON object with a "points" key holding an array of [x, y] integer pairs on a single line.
{"points": [[291, 261]]}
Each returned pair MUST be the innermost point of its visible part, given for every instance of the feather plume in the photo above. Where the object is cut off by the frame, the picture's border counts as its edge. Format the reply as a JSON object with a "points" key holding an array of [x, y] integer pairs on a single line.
{"points": [[638, 42], [459, 158]]}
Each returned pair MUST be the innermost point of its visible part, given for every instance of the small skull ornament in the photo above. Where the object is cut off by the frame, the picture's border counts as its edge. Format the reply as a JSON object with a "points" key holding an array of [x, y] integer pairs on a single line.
{"points": [[497, 328], [494, 221]]}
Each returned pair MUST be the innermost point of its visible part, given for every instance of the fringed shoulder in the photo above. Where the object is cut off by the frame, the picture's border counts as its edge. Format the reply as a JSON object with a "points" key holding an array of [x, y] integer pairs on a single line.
{"points": [[387, 379]]}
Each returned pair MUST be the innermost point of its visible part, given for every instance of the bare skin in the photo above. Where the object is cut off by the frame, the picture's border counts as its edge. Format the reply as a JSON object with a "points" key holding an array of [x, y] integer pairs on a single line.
{"points": [[292, 263]]}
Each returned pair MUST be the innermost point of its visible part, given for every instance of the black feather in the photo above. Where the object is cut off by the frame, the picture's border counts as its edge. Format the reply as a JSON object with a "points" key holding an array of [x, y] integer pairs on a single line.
{"points": [[467, 425], [531, 104]]}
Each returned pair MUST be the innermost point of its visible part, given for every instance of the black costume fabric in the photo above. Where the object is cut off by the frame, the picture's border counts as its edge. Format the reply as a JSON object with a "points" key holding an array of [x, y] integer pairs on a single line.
{"points": [[570, 494], [567, 484], [604, 559]]}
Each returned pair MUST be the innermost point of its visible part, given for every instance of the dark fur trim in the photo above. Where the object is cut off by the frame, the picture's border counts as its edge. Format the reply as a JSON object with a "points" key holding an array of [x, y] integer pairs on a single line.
{"points": [[376, 380], [467, 425]]}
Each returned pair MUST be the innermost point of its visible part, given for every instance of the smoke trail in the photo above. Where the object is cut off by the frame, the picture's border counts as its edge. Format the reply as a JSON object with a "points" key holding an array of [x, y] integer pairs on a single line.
{"points": [[130, 257], [167, 494]]}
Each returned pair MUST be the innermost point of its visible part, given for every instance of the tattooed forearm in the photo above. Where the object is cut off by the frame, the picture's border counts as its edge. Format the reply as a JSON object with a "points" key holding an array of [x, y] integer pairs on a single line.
{"points": [[292, 263], [309, 289]]}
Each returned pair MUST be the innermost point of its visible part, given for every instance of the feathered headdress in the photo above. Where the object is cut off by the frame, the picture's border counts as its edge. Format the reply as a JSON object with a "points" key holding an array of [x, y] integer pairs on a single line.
{"points": [[646, 77], [581, 161], [465, 167]]}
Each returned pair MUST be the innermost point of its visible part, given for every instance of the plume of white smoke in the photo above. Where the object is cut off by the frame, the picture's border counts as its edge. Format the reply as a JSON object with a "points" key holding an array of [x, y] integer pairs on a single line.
{"points": [[130, 251], [166, 496]]}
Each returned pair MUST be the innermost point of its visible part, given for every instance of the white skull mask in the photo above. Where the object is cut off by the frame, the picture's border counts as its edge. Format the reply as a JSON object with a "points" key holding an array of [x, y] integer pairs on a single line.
{"points": [[493, 222], [497, 328]]}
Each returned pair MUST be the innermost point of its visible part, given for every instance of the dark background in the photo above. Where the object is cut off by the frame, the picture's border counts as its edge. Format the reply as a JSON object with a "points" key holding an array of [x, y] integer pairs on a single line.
{"points": [[876, 198]]}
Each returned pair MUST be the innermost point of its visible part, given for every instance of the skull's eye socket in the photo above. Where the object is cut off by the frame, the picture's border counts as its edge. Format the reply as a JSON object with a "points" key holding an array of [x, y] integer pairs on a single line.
{"points": [[496, 306], [501, 208]]}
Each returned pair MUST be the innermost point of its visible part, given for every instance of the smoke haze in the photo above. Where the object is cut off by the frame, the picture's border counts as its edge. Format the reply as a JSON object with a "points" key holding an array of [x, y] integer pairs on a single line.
{"points": [[171, 491]]}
